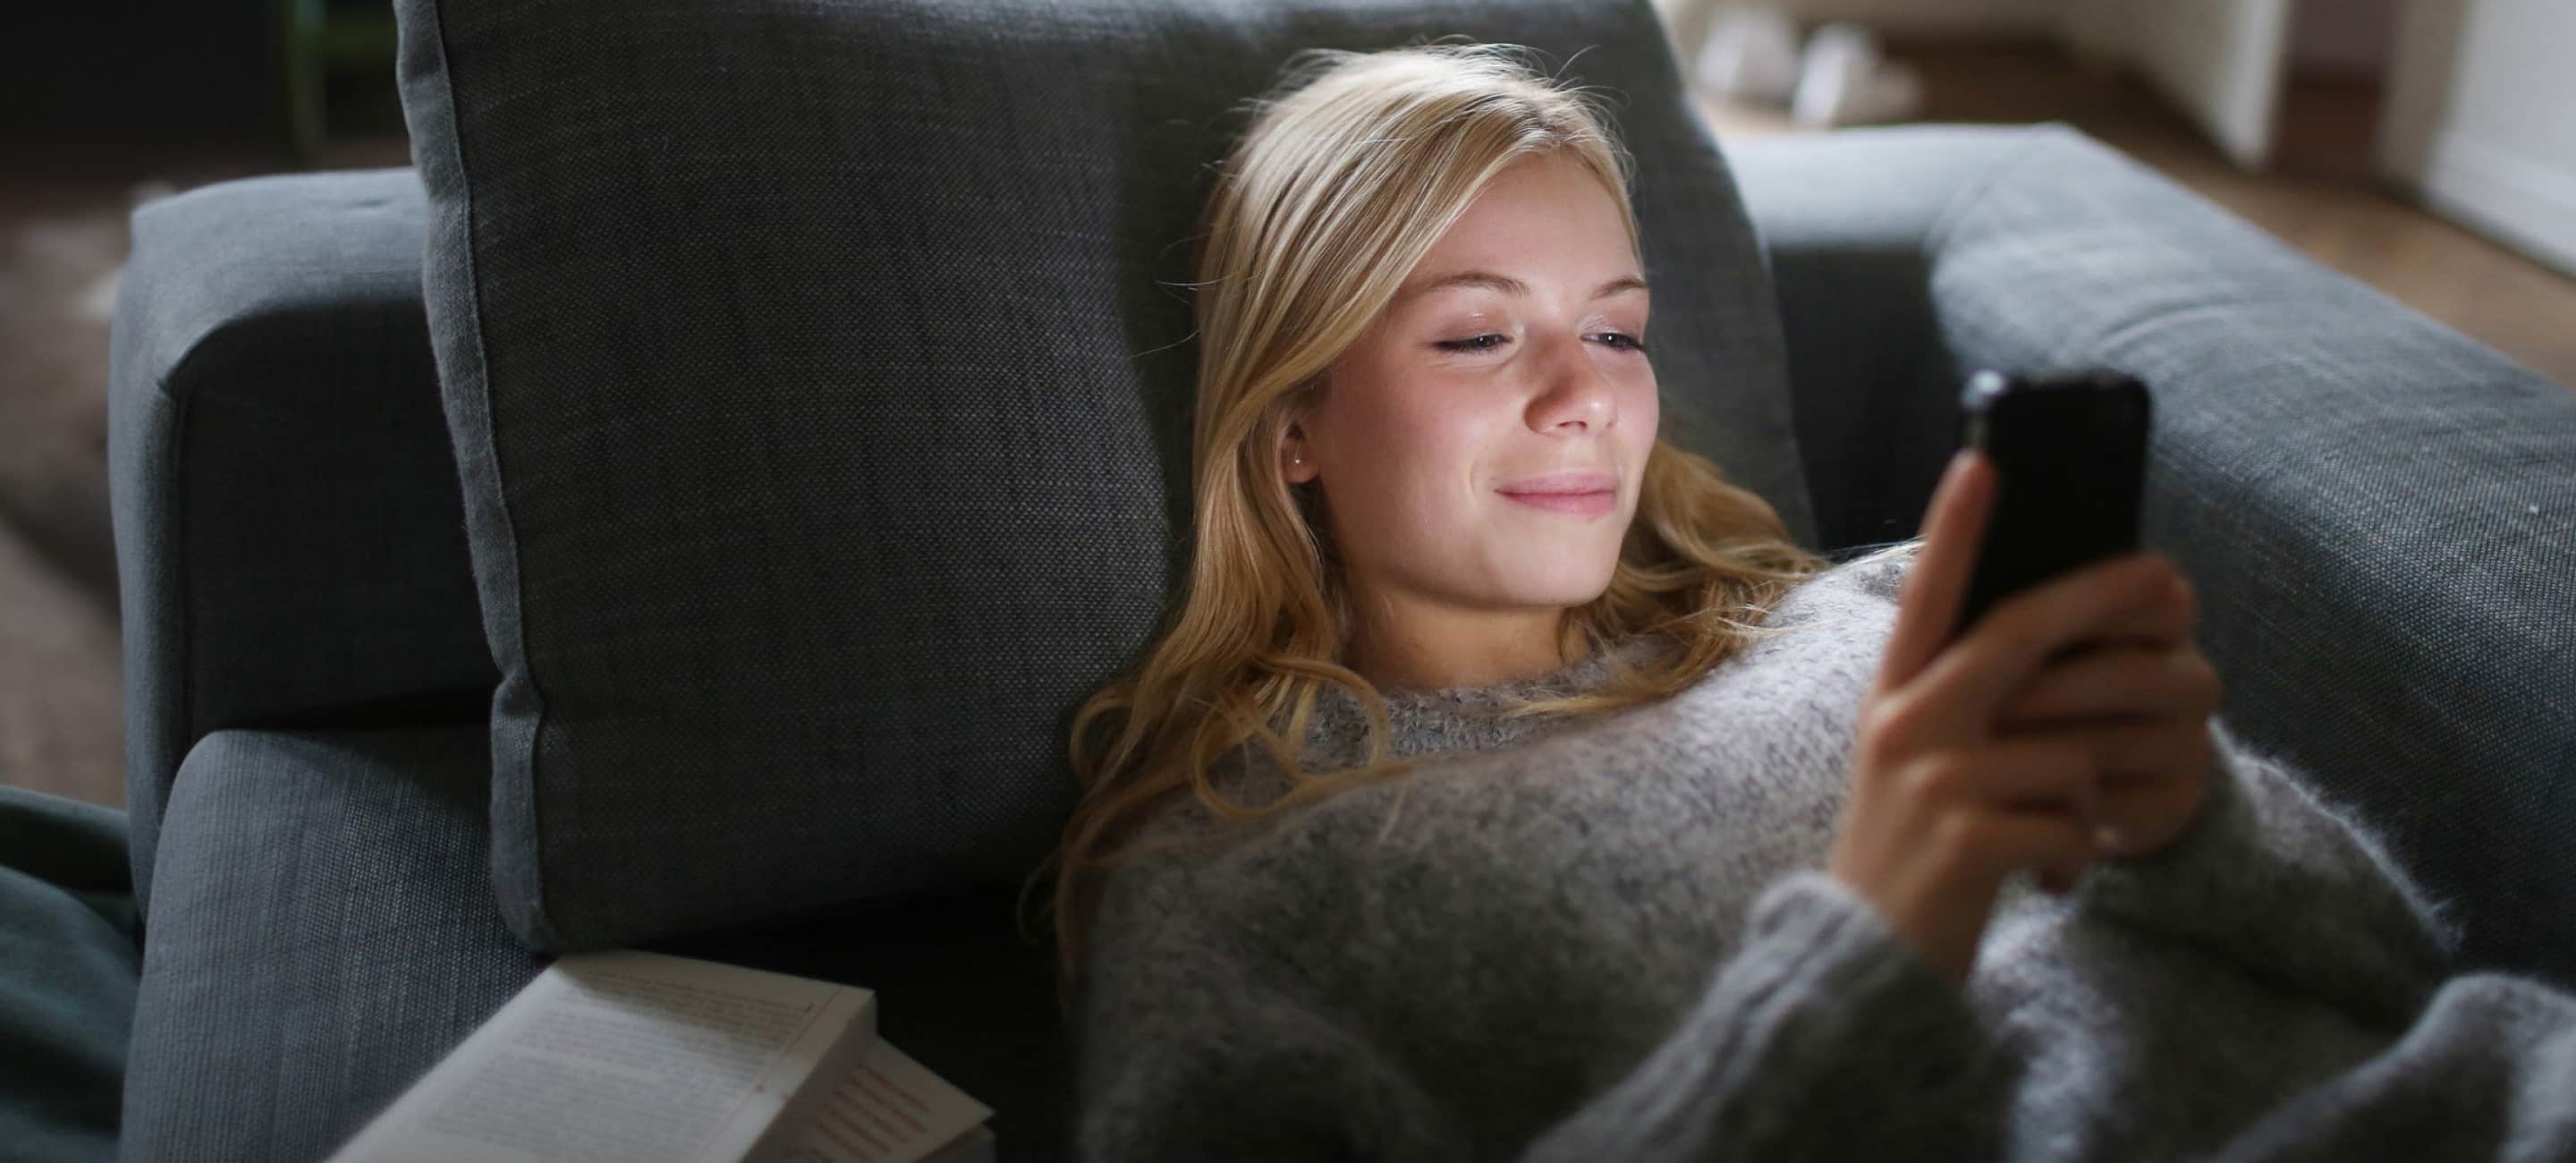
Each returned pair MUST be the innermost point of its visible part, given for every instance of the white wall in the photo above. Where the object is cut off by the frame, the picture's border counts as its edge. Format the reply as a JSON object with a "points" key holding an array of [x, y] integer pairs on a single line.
{"points": [[1688, 20], [2220, 60], [2481, 118]]}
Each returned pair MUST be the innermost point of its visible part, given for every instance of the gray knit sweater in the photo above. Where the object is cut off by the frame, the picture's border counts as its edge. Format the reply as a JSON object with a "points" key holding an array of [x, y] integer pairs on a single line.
{"points": [[1613, 940]]}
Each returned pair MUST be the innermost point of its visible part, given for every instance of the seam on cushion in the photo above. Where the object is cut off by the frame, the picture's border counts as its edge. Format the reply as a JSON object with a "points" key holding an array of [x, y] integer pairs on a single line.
{"points": [[1938, 234], [541, 929], [184, 622]]}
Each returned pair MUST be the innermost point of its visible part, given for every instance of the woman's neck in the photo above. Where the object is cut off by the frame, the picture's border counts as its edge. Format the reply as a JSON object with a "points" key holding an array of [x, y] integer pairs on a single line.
{"points": [[1400, 664]]}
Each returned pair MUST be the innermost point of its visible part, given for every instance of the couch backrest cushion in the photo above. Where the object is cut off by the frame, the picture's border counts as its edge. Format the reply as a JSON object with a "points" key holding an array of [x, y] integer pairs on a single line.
{"points": [[820, 385]]}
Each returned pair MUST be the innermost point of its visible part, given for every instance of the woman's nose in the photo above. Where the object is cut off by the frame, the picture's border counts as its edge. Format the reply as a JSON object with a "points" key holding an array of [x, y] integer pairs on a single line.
{"points": [[1575, 392]]}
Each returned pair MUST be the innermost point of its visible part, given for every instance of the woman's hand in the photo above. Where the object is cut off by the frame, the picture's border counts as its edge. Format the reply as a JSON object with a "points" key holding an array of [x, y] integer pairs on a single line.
{"points": [[2076, 705]]}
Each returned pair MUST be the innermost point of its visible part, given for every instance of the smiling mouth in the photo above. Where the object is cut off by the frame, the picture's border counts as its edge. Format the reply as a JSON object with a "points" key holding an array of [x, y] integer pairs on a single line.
{"points": [[1572, 504]]}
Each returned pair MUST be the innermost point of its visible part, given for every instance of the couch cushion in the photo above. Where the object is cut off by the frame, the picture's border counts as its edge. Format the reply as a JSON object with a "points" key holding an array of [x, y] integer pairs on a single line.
{"points": [[328, 932], [324, 932], [821, 395]]}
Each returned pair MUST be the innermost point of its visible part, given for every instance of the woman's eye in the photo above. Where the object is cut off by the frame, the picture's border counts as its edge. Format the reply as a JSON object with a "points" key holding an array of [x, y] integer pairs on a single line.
{"points": [[1617, 340]]}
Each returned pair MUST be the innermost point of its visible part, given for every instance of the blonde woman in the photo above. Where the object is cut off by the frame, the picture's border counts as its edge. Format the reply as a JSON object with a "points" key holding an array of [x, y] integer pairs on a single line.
{"points": [[1508, 785]]}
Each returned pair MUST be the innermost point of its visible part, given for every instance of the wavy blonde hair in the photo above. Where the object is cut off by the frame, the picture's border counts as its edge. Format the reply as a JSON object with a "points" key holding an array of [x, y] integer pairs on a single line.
{"points": [[1352, 168]]}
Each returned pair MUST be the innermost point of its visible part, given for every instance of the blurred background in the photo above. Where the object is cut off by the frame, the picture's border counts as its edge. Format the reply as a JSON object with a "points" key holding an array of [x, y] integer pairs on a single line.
{"points": [[2426, 147]]}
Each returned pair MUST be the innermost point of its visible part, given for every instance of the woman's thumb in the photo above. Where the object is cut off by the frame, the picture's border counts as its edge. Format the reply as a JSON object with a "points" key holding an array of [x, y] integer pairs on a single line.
{"points": [[1954, 525]]}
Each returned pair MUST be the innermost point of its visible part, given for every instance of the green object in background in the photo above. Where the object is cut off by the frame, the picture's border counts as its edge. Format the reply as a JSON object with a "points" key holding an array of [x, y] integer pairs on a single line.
{"points": [[317, 38], [71, 956]]}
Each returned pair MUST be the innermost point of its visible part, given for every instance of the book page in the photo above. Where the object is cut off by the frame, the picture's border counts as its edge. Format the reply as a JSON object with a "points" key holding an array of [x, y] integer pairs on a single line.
{"points": [[892, 1109], [627, 1055]]}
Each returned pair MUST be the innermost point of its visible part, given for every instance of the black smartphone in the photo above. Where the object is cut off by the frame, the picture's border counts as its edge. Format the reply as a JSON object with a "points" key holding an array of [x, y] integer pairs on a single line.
{"points": [[2070, 457]]}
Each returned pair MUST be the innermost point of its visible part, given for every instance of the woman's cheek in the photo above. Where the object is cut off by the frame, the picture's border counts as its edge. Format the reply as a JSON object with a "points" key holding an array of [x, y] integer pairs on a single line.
{"points": [[1436, 425], [1649, 410]]}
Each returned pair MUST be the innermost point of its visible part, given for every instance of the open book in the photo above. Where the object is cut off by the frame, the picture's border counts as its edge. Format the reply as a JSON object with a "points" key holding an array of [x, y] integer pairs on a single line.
{"points": [[638, 1057]]}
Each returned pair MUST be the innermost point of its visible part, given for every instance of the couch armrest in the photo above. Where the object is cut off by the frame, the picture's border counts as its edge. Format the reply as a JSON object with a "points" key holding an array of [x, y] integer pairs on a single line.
{"points": [[2376, 509], [289, 528]]}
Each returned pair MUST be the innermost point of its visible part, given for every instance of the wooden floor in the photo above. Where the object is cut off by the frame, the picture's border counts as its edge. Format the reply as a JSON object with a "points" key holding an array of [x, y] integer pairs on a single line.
{"points": [[2319, 195]]}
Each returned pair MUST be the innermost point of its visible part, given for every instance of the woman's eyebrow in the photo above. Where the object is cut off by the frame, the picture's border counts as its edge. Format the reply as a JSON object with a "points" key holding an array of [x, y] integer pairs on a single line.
{"points": [[1510, 286]]}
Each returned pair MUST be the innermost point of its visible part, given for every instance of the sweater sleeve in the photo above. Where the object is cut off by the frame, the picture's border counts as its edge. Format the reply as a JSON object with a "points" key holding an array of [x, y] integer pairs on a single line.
{"points": [[2485, 1072], [1793, 1050], [2283, 884]]}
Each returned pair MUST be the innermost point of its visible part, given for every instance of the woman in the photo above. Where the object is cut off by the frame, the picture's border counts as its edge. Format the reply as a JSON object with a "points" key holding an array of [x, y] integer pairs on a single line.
{"points": [[1509, 785]]}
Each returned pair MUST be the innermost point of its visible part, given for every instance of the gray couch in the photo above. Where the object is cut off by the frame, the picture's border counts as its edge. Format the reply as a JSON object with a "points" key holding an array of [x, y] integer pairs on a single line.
{"points": [[2377, 511]]}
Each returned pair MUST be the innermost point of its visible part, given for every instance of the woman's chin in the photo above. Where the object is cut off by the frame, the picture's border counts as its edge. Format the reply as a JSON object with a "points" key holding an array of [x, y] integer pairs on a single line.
{"points": [[1551, 586]]}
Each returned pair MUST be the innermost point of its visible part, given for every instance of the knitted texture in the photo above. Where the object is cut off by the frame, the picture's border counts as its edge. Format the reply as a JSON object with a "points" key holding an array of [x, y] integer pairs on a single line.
{"points": [[1613, 938]]}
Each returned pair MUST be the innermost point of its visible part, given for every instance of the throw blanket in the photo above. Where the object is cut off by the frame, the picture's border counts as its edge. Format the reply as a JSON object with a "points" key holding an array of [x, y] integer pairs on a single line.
{"points": [[1614, 940], [71, 953]]}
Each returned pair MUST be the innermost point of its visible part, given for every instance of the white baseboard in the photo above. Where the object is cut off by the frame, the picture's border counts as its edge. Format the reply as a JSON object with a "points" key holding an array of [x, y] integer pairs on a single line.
{"points": [[2514, 199]]}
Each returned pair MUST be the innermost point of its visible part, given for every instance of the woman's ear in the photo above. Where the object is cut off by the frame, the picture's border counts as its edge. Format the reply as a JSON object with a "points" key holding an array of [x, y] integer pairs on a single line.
{"points": [[1296, 462]]}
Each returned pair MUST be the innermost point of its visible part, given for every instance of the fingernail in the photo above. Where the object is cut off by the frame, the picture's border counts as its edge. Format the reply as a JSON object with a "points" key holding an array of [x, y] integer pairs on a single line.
{"points": [[2181, 590], [2107, 839]]}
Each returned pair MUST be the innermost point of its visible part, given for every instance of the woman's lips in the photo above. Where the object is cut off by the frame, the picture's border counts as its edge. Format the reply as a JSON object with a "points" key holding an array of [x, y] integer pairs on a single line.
{"points": [[1578, 504]]}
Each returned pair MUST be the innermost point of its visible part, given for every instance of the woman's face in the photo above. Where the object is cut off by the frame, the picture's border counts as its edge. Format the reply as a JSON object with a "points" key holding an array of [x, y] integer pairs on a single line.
{"points": [[1508, 361]]}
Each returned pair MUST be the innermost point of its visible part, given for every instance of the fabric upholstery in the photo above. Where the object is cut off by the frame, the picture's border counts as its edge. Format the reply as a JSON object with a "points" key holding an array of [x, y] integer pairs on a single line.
{"points": [[820, 385], [328, 932], [70, 951], [2352, 595], [290, 543], [325, 932], [2377, 510]]}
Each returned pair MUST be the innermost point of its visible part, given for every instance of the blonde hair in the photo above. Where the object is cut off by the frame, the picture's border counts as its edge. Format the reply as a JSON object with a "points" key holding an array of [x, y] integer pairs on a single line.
{"points": [[1353, 167]]}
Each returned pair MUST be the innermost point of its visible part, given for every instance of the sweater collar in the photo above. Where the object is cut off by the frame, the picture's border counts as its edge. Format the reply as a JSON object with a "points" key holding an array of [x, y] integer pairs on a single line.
{"points": [[1433, 719]]}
